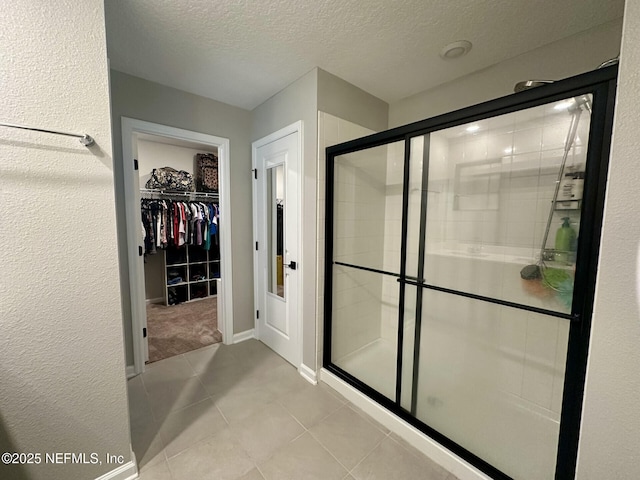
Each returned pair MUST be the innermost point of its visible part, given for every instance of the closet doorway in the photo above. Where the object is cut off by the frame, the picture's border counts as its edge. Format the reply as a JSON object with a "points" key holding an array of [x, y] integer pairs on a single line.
{"points": [[195, 276]]}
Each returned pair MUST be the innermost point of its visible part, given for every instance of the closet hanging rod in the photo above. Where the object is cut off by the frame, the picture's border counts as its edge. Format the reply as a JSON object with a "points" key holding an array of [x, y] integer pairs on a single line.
{"points": [[85, 139], [148, 192]]}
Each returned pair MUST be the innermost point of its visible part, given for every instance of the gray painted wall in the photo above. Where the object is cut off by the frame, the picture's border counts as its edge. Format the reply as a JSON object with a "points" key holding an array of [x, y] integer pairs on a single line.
{"points": [[565, 58], [299, 102], [144, 100], [344, 100], [62, 372], [316, 91]]}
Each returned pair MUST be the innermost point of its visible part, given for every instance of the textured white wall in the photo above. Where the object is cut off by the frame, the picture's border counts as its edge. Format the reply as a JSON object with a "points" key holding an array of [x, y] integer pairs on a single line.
{"points": [[610, 439], [62, 378]]}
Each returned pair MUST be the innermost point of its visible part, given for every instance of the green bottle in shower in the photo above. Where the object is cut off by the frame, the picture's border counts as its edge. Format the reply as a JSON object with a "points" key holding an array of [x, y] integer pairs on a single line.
{"points": [[565, 241]]}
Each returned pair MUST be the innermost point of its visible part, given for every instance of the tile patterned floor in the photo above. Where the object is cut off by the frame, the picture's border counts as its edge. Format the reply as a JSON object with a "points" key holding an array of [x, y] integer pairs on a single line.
{"points": [[241, 412]]}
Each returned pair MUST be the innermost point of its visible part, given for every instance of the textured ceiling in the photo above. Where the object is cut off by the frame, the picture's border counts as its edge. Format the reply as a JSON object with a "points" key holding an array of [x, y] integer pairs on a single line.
{"points": [[243, 52]]}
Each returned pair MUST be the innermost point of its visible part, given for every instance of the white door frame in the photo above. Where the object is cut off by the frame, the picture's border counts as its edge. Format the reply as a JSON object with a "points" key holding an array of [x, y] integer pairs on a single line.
{"points": [[131, 127], [283, 132]]}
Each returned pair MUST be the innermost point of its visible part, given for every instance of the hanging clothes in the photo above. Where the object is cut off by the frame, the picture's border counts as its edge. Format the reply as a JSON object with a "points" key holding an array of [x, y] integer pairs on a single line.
{"points": [[172, 223]]}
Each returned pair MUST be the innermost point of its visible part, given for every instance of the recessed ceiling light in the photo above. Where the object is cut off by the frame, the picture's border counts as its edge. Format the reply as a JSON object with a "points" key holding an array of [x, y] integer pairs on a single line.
{"points": [[473, 128], [455, 49], [564, 105]]}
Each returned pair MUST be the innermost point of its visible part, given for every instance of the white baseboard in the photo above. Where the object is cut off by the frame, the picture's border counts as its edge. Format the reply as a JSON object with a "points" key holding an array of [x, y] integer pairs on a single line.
{"points": [[126, 471], [154, 300], [242, 336], [131, 371], [436, 452], [308, 374]]}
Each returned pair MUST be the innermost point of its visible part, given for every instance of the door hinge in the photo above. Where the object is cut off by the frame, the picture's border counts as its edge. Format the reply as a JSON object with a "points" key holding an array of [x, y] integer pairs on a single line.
{"points": [[255, 173], [256, 245], [139, 250], [135, 164], [257, 313], [144, 332]]}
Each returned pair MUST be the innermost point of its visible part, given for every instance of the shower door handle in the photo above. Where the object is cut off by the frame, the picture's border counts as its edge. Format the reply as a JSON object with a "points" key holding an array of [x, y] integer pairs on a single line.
{"points": [[291, 265]]}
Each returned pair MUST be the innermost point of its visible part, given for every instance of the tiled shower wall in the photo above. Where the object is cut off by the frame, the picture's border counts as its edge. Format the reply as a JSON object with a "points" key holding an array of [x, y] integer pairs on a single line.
{"points": [[332, 131], [523, 353], [519, 157]]}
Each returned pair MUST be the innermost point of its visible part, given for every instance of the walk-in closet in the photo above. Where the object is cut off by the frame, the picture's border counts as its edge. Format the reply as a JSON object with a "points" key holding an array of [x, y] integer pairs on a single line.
{"points": [[180, 225]]}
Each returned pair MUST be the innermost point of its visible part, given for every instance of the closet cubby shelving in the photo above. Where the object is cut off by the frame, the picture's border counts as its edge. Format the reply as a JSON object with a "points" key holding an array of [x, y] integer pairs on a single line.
{"points": [[190, 273]]}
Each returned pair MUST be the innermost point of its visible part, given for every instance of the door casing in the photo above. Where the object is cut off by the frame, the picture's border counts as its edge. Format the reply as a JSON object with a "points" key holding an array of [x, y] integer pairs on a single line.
{"points": [[131, 127]]}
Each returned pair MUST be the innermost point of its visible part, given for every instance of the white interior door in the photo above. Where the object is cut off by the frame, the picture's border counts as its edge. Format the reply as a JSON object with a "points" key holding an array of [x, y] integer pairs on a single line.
{"points": [[276, 231]]}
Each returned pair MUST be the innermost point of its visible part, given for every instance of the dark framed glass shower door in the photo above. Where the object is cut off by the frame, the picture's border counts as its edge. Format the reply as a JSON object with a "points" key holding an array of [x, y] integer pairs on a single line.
{"points": [[455, 294]]}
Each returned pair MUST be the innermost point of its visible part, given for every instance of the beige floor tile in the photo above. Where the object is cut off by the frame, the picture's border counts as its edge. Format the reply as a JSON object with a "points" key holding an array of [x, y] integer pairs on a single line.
{"points": [[310, 404], [217, 411], [173, 368], [220, 458], [240, 401], [285, 380], [210, 358], [172, 395], [304, 458], [261, 362], [264, 432], [252, 475], [190, 425], [251, 348], [147, 442], [391, 460], [347, 435], [159, 471], [224, 378], [139, 406]]}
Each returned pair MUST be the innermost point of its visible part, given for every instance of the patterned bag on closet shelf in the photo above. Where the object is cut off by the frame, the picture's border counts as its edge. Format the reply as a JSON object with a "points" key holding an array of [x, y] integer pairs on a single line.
{"points": [[207, 172], [170, 179]]}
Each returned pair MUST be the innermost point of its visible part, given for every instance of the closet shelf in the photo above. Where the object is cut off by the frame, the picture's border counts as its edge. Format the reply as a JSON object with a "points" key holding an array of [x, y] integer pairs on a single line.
{"points": [[148, 193]]}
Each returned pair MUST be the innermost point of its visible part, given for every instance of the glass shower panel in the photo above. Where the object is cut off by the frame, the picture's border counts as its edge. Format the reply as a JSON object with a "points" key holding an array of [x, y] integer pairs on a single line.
{"points": [[492, 228], [368, 207], [364, 327], [367, 218], [500, 394]]}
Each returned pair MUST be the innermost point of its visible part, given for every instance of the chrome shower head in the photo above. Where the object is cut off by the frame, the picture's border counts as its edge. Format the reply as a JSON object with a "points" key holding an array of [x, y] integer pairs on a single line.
{"points": [[611, 61], [526, 85]]}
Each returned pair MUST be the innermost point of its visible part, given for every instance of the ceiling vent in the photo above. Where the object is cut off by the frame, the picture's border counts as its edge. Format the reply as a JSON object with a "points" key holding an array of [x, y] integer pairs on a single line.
{"points": [[455, 49]]}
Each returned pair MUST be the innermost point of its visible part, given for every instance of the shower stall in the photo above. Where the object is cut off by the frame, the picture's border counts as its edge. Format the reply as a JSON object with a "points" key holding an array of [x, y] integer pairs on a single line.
{"points": [[461, 255]]}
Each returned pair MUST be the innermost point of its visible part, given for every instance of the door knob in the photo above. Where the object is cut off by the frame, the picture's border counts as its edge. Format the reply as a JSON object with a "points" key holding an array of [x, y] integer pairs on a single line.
{"points": [[291, 265]]}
